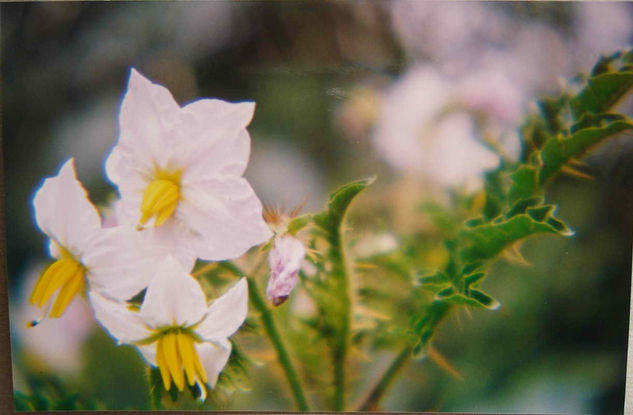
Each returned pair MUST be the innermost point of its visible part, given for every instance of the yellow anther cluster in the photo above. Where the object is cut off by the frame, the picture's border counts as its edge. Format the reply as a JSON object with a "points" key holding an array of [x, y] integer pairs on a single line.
{"points": [[160, 200], [65, 275], [175, 356]]}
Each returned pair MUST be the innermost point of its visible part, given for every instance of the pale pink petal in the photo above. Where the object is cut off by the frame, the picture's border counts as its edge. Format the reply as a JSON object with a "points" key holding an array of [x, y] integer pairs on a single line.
{"points": [[64, 212], [218, 152], [205, 115], [173, 296], [226, 214], [116, 264], [148, 351], [285, 261], [122, 323], [226, 314], [213, 357], [148, 116]]}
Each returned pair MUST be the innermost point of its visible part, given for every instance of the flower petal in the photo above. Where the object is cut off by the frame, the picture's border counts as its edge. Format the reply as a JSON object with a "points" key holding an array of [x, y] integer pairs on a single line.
{"points": [[226, 314], [116, 264], [123, 324], [173, 297], [148, 115], [213, 357], [218, 152], [148, 351], [226, 214], [212, 114], [64, 212]]}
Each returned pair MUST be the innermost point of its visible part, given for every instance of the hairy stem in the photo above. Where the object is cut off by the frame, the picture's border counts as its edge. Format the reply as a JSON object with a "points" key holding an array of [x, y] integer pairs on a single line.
{"points": [[376, 394], [271, 330]]}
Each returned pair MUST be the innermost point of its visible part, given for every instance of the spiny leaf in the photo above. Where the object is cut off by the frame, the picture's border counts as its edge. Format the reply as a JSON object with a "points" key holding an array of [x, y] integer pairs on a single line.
{"points": [[486, 241], [524, 183], [484, 299], [558, 150], [331, 219], [602, 92]]}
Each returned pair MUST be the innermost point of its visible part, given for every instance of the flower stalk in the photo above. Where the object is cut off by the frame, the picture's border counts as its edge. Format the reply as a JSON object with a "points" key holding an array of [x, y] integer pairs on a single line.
{"points": [[282, 354]]}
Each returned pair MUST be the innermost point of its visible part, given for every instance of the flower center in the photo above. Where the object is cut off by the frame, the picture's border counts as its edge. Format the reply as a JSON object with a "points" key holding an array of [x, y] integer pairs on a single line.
{"points": [[160, 198], [67, 276], [177, 356]]}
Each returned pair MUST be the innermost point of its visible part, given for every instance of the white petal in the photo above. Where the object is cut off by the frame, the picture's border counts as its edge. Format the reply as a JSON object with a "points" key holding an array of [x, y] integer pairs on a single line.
{"points": [[123, 324], [117, 265], [210, 114], [173, 297], [63, 210], [227, 215], [148, 116], [219, 152], [148, 351], [226, 314], [213, 357]]}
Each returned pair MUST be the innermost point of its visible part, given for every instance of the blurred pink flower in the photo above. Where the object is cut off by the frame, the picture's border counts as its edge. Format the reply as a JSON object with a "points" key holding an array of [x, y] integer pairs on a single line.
{"points": [[427, 127], [55, 343]]}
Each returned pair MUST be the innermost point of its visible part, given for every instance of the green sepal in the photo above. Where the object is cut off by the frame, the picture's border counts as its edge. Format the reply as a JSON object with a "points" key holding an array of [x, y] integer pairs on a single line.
{"points": [[298, 223]]}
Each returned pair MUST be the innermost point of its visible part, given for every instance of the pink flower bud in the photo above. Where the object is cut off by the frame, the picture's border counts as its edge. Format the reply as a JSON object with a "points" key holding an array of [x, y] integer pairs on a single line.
{"points": [[285, 261]]}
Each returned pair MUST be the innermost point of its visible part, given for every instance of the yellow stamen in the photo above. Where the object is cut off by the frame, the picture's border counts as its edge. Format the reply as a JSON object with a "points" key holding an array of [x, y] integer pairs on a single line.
{"points": [[176, 356], [185, 350], [174, 363], [65, 275], [162, 365], [160, 200], [67, 293]]}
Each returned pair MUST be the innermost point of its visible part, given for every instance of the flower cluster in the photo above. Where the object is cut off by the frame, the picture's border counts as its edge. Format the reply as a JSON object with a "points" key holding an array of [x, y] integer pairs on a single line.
{"points": [[182, 198]]}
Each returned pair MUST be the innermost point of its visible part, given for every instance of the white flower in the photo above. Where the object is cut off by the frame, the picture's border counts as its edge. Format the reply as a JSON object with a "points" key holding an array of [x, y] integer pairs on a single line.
{"points": [[105, 258], [174, 328], [179, 172], [285, 261]]}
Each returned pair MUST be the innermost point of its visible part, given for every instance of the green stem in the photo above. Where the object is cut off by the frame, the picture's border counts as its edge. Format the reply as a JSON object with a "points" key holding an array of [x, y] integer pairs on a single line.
{"points": [[271, 330], [371, 402], [340, 277]]}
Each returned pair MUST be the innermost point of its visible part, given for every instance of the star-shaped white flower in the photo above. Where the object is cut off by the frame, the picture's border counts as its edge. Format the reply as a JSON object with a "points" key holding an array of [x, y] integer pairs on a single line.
{"points": [[179, 173], [174, 328], [285, 261], [105, 258]]}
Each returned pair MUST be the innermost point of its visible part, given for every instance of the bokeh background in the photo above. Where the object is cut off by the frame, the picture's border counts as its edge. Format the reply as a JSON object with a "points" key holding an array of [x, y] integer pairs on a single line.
{"points": [[342, 89]]}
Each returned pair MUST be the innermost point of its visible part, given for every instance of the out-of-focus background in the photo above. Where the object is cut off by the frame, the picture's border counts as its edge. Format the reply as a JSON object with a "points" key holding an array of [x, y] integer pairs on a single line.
{"points": [[343, 90]]}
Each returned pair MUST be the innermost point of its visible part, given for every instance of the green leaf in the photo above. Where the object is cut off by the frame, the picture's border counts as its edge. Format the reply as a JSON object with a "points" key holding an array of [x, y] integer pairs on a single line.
{"points": [[559, 149], [484, 299], [437, 278], [486, 241], [473, 279], [524, 183], [602, 92], [156, 387], [331, 219]]}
